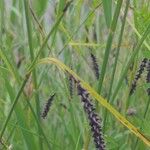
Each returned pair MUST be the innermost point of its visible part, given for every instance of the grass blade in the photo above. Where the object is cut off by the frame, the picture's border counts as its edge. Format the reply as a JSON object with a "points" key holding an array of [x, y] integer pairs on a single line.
{"points": [[21, 117], [107, 5], [109, 43], [117, 55], [36, 95]]}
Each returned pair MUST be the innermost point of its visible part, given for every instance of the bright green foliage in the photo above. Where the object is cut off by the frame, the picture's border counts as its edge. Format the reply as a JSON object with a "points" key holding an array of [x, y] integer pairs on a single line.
{"points": [[34, 29]]}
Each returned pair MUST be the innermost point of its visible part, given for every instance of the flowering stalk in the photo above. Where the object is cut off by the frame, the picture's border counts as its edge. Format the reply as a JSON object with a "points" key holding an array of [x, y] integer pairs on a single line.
{"points": [[95, 65], [148, 76], [47, 106], [94, 121], [138, 75], [71, 80]]}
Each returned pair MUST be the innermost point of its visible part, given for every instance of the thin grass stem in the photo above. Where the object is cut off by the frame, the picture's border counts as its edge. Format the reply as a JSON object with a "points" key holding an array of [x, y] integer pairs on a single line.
{"points": [[36, 95], [117, 55], [109, 43]]}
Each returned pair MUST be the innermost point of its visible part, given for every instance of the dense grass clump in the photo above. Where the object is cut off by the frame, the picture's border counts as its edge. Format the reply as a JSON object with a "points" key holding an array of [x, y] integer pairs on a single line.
{"points": [[99, 40]]}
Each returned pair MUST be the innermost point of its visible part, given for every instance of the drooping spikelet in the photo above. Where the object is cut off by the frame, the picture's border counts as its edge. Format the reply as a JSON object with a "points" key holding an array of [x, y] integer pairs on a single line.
{"points": [[148, 76], [95, 65], [138, 75], [47, 106], [93, 118]]}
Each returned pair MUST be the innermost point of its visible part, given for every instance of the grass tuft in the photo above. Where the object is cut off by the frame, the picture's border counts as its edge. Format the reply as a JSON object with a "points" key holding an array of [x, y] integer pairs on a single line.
{"points": [[100, 39]]}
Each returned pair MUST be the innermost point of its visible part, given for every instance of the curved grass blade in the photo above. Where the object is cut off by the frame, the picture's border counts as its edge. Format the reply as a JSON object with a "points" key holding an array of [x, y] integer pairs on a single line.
{"points": [[98, 97]]}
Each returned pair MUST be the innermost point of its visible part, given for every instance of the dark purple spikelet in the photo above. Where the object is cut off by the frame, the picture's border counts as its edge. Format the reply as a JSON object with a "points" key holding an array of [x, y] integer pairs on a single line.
{"points": [[47, 107], [95, 65], [148, 76], [94, 120], [138, 75], [71, 83]]}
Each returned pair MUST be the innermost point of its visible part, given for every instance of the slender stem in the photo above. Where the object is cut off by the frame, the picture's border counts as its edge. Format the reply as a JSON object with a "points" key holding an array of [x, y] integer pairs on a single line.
{"points": [[41, 29], [147, 107], [13, 105], [144, 116], [36, 95], [117, 54], [45, 41], [2, 20], [39, 124], [118, 47], [109, 43], [87, 140]]}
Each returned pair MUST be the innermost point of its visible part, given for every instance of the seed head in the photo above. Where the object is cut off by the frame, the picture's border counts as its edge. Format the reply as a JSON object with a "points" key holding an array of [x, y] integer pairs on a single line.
{"points": [[138, 75], [47, 106], [71, 83], [93, 118], [95, 65], [148, 76]]}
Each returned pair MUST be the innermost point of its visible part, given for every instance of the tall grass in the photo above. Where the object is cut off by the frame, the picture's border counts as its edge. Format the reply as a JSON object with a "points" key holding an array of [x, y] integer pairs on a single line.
{"points": [[103, 42]]}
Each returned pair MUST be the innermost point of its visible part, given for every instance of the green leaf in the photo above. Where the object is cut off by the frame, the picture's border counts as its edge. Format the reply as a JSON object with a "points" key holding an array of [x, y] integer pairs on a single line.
{"points": [[40, 6], [146, 53], [107, 5]]}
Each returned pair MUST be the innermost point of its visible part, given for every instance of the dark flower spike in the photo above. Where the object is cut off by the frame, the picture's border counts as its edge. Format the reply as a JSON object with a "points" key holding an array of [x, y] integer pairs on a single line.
{"points": [[95, 65], [71, 83], [47, 107], [94, 120], [138, 75], [148, 76]]}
